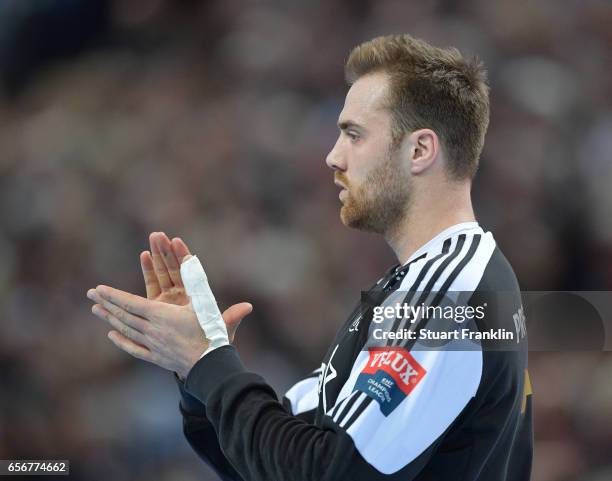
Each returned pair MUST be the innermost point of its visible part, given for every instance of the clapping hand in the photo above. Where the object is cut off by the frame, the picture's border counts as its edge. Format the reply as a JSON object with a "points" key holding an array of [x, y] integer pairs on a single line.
{"points": [[162, 329]]}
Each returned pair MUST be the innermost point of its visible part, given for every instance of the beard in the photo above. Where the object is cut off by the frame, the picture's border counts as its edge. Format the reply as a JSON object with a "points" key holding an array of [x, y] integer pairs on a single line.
{"points": [[381, 202]]}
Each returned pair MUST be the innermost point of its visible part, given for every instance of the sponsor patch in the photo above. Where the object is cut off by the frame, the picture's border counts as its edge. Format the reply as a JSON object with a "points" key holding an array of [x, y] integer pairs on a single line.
{"points": [[390, 374]]}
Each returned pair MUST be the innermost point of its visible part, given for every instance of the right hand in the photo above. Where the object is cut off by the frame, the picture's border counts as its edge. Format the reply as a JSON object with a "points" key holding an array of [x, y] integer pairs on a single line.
{"points": [[161, 268]]}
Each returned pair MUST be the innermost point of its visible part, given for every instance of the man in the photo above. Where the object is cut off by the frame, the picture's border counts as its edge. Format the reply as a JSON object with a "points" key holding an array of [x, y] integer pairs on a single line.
{"points": [[411, 132]]}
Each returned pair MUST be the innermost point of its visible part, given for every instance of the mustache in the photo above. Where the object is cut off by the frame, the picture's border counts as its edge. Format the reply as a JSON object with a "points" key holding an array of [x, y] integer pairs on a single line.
{"points": [[339, 177]]}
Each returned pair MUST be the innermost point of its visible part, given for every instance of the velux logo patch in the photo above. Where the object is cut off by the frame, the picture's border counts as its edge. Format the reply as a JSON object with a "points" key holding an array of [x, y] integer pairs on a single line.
{"points": [[390, 374]]}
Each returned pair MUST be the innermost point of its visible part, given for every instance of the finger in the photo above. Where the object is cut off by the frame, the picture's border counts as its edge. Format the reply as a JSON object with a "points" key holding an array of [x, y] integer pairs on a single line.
{"points": [[130, 346], [135, 322], [148, 272], [163, 277], [123, 300], [170, 260], [234, 315], [124, 329], [180, 249]]}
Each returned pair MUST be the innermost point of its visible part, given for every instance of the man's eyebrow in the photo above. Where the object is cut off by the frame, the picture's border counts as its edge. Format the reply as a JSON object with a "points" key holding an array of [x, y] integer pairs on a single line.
{"points": [[348, 123]]}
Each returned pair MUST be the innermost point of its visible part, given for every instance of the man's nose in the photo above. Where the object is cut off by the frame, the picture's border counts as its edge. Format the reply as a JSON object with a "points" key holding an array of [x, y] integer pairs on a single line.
{"points": [[334, 159]]}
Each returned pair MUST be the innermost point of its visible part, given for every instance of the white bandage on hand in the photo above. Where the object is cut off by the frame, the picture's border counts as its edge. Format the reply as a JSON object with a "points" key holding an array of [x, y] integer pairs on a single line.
{"points": [[204, 303]]}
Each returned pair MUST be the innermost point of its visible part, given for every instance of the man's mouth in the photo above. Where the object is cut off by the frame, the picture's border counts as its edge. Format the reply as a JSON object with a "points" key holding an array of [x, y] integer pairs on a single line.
{"points": [[343, 190]]}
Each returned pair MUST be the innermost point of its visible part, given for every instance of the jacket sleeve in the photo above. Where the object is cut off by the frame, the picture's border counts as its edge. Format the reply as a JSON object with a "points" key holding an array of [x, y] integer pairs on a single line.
{"points": [[201, 435], [361, 437], [261, 438], [300, 400], [303, 398]]}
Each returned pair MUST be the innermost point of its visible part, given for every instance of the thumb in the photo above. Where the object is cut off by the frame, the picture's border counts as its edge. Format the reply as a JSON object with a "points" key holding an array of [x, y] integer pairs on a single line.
{"points": [[233, 316]]}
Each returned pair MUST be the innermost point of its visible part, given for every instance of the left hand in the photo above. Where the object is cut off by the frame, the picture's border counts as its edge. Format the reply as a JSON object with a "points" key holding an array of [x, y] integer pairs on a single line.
{"points": [[164, 334], [162, 275]]}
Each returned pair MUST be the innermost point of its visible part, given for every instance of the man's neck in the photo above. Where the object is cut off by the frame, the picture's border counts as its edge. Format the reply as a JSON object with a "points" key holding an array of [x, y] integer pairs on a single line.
{"points": [[423, 222]]}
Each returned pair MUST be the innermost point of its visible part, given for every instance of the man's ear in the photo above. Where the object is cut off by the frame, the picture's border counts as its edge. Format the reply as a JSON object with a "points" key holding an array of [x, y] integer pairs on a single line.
{"points": [[424, 147]]}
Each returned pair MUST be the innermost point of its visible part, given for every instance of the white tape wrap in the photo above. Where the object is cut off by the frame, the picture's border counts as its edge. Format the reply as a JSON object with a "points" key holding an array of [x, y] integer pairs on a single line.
{"points": [[204, 303]]}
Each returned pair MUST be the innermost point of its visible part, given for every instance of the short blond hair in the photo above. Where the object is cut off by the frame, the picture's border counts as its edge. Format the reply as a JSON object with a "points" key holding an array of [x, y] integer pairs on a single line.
{"points": [[433, 88]]}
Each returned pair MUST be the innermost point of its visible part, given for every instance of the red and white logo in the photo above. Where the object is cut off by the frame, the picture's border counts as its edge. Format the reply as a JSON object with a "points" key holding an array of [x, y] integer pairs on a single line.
{"points": [[397, 363]]}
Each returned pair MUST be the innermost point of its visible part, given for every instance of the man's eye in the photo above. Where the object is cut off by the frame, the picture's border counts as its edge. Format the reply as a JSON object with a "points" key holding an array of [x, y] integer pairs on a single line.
{"points": [[353, 136]]}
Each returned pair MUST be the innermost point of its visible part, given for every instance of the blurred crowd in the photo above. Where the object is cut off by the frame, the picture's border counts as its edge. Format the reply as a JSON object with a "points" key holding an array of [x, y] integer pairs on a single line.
{"points": [[211, 121]]}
